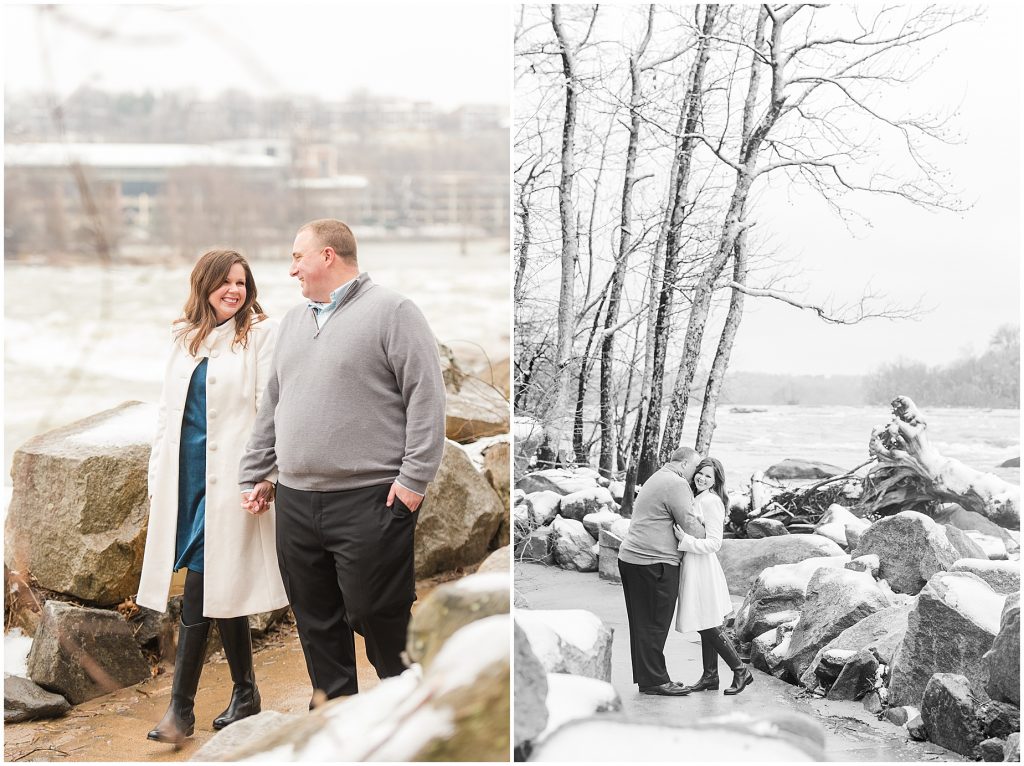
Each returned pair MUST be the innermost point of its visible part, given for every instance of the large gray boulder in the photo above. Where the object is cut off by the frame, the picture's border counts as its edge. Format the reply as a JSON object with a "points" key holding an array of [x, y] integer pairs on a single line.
{"points": [[26, 701], [79, 510], [972, 521], [531, 690], [458, 517], [537, 547], [757, 528], [856, 677], [1003, 659], [953, 624], [881, 633], [910, 549], [569, 641], [497, 561], [835, 600], [572, 547], [81, 653], [743, 560], [452, 606], [965, 544], [1001, 576], [777, 595], [948, 710]]}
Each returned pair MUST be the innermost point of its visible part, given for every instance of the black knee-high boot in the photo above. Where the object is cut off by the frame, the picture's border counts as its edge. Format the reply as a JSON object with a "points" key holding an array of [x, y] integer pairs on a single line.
{"points": [[245, 697], [709, 680], [179, 720], [741, 675]]}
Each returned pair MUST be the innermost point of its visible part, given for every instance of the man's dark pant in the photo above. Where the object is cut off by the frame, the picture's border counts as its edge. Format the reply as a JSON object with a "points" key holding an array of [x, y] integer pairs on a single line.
{"points": [[650, 591], [347, 564]]}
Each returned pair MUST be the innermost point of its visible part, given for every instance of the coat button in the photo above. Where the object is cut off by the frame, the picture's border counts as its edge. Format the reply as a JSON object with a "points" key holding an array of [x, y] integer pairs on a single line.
{"points": [[215, 353], [212, 480], [212, 413], [212, 446], [211, 380]]}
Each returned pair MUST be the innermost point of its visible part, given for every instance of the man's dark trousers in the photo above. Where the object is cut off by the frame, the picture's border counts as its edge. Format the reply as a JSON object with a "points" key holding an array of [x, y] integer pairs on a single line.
{"points": [[650, 591], [346, 560]]}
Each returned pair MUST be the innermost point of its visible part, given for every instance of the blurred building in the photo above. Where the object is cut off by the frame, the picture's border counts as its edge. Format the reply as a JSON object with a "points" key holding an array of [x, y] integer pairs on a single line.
{"points": [[390, 168]]}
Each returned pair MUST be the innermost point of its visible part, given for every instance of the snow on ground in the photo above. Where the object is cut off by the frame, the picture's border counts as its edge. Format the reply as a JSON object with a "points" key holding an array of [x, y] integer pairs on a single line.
{"points": [[16, 648], [475, 450]]}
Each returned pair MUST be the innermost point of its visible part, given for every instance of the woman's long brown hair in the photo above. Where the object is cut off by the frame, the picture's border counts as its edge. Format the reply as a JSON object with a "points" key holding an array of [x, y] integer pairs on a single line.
{"points": [[198, 317]]}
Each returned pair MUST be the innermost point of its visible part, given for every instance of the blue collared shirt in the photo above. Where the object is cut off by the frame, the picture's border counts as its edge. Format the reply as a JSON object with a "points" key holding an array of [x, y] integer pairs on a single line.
{"points": [[321, 311]]}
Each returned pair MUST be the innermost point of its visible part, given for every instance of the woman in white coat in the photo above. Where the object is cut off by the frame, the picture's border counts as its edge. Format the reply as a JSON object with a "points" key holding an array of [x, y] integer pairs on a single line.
{"points": [[704, 600], [221, 356]]}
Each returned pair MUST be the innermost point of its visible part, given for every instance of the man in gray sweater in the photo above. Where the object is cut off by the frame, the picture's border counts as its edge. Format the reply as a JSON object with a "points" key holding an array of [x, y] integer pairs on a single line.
{"points": [[649, 567], [351, 427]]}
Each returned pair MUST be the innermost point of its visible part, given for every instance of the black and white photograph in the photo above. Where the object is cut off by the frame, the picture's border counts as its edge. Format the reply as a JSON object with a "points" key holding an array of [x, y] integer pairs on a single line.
{"points": [[257, 334], [766, 382]]}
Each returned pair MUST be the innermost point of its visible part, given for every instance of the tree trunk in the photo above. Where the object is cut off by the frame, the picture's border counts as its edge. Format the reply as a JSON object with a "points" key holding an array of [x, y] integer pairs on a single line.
{"points": [[606, 462], [706, 428], [560, 423]]}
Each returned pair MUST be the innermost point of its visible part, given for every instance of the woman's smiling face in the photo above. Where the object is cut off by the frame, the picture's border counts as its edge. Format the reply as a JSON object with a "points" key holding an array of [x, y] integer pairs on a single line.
{"points": [[704, 478], [227, 298]]}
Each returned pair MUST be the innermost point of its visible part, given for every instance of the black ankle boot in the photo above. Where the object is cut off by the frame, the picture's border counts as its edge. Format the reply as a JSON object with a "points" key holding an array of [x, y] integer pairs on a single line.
{"points": [[245, 697], [179, 721], [709, 680], [741, 675]]}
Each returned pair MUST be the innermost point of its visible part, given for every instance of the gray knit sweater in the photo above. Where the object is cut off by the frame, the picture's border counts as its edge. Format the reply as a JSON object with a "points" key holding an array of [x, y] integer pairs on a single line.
{"points": [[356, 403], [664, 499]]}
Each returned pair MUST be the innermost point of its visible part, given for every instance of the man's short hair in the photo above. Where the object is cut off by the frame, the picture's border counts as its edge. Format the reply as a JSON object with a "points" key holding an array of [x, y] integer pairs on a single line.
{"points": [[336, 235], [684, 455]]}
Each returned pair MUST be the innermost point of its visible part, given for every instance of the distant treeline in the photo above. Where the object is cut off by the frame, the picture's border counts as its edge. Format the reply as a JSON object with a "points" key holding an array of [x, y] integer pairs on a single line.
{"points": [[991, 379], [807, 390]]}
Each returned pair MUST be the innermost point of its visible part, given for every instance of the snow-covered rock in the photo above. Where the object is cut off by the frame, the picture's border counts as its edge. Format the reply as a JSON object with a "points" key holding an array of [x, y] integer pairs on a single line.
{"points": [[571, 546], [79, 511], [777, 595], [569, 641], [564, 481], [758, 528], [910, 548], [856, 676], [571, 698], [953, 624], [473, 410], [537, 547], [608, 556], [837, 521], [798, 469], [450, 607], [457, 710], [835, 600], [595, 522], [543, 506], [743, 560], [1002, 576]]}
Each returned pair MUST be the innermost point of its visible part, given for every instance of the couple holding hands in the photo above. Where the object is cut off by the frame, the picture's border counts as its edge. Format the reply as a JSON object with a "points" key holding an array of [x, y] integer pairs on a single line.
{"points": [[330, 425], [679, 511]]}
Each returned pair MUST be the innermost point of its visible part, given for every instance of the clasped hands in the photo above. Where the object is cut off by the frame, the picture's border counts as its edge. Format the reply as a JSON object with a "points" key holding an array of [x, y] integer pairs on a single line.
{"points": [[259, 498]]}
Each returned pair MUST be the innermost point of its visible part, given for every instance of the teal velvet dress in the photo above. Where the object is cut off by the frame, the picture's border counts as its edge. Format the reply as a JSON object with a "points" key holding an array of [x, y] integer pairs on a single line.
{"points": [[188, 550]]}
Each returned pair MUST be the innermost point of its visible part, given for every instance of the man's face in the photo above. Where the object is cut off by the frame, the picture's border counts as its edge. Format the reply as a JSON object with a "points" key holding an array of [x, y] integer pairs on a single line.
{"points": [[309, 267], [690, 466]]}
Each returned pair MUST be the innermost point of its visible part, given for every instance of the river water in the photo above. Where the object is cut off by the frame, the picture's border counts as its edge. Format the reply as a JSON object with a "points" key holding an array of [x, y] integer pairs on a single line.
{"points": [[746, 442]]}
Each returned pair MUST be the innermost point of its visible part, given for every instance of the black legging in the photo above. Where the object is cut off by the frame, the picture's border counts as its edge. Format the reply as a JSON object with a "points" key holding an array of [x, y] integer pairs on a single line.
{"points": [[192, 600]]}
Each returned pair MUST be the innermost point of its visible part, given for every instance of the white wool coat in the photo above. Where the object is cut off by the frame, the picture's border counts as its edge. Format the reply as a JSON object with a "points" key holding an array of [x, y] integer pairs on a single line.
{"points": [[241, 576], [704, 600]]}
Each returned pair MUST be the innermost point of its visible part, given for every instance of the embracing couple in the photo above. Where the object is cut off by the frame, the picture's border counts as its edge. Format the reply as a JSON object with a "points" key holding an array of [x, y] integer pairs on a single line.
{"points": [[680, 511], [338, 413]]}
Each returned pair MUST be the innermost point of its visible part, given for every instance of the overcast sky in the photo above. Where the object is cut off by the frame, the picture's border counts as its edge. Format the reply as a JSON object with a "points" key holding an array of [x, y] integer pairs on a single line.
{"points": [[445, 53]]}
